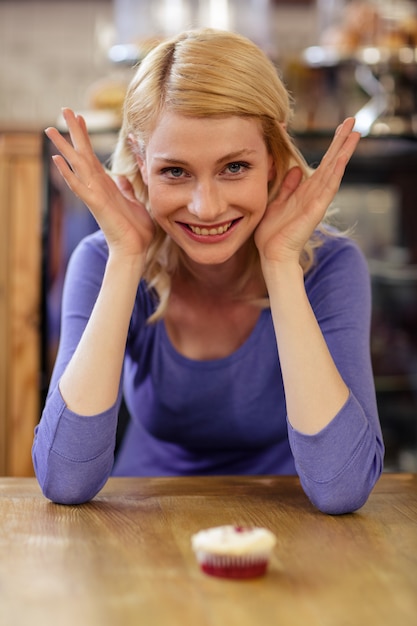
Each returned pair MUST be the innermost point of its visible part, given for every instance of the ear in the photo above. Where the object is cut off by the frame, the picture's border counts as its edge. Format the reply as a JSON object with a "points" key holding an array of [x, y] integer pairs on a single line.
{"points": [[142, 168], [272, 172], [140, 160], [272, 169]]}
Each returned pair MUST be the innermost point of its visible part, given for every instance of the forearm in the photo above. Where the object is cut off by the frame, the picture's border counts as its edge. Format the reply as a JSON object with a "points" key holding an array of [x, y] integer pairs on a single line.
{"points": [[90, 382], [314, 388]]}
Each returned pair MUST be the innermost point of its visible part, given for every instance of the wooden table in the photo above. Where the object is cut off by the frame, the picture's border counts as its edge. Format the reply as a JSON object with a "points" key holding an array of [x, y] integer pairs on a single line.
{"points": [[125, 558]]}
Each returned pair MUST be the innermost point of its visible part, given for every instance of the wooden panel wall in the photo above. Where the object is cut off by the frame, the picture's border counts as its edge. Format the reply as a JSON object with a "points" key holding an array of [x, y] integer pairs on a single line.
{"points": [[20, 254]]}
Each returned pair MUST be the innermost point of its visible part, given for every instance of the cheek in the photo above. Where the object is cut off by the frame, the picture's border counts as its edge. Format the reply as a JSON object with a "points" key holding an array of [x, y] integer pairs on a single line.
{"points": [[160, 202], [258, 197]]}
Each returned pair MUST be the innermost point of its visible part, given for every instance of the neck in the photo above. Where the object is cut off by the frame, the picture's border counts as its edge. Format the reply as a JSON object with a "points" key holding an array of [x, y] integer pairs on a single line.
{"points": [[230, 279]]}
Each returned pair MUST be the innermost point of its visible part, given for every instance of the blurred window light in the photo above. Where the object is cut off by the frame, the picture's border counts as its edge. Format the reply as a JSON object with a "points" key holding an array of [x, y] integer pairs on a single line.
{"points": [[219, 14]]}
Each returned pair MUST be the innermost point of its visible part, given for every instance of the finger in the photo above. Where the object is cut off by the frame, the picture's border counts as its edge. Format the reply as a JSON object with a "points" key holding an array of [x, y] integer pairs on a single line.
{"points": [[348, 148], [59, 141], [338, 155], [344, 158], [63, 146], [84, 133], [125, 186], [335, 170], [67, 174], [77, 129], [321, 187], [290, 183], [83, 161], [342, 134], [329, 183]]}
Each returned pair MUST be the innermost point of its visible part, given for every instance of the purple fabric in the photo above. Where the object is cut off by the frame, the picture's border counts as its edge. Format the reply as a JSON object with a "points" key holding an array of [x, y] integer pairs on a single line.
{"points": [[223, 416]]}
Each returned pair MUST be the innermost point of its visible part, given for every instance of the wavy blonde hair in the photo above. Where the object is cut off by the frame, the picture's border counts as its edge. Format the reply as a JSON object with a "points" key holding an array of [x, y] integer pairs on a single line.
{"points": [[203, 73]]}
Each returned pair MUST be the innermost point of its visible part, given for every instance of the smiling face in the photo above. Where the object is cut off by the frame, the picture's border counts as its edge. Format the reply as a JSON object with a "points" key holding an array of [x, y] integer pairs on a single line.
{"points": [[207, 182]]}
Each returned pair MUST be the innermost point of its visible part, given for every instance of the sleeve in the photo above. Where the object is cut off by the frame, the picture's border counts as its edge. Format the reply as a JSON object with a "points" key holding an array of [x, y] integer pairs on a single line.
{"points": [[339, 466], [72, 454]]}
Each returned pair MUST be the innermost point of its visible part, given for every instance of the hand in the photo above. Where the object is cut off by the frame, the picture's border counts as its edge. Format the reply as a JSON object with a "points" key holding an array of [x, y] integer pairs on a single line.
{"points": [[291, 218], [124, 220]]}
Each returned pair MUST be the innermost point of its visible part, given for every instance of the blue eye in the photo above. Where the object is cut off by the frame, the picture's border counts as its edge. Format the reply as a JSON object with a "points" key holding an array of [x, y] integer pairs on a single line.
{"points": [[174, 172], [237, 167]]}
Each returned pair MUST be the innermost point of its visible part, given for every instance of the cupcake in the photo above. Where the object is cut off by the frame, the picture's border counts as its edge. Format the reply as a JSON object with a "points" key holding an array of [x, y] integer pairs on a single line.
{"points": [[233, 551]]}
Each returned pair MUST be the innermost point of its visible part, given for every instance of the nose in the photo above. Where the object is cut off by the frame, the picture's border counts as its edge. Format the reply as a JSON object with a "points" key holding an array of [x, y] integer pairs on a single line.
{"points": [[206, 202]]}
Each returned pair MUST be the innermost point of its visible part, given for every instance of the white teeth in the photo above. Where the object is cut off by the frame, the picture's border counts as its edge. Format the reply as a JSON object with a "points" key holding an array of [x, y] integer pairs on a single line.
{"points": [[210, 231]]}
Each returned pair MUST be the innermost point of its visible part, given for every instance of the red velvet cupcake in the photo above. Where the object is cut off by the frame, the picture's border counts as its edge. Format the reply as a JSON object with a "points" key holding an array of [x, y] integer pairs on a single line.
{"points": [[233, 551]]}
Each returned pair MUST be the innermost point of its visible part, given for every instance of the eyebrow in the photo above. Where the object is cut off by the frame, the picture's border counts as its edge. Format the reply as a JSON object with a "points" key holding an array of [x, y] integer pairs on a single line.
{"points": [[231, 156]]}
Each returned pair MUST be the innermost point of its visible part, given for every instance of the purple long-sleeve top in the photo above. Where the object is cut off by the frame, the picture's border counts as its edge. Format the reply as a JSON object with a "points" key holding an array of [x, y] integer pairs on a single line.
{"points": [[220, 416]]}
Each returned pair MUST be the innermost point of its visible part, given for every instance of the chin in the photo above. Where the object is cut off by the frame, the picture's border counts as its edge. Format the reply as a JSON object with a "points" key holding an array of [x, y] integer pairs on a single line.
{"points": [[209, 259], [208, 254]]}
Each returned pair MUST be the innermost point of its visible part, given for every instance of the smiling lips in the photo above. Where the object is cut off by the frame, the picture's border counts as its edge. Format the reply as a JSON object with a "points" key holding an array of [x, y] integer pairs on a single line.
{"points": [[210, 231], [214, 230]]}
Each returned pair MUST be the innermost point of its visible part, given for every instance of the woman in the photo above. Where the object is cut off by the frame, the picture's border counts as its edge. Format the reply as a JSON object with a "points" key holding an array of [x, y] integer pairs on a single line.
{"points": [[213, 298]]}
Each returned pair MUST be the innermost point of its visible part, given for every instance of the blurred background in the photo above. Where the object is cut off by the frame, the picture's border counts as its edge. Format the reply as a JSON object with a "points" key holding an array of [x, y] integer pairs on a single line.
{"points": [[337, 58], [54, 51]]}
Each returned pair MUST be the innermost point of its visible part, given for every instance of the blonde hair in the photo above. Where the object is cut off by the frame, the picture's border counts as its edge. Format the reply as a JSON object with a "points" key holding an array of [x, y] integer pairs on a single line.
{"points": [[203, 73]]}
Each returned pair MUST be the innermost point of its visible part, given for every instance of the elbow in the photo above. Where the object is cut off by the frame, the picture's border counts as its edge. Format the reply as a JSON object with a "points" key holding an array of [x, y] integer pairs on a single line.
{"points": [[341, 502], [348, 487], [340, 497], [67, 494], [71, 484], [69, 490]]}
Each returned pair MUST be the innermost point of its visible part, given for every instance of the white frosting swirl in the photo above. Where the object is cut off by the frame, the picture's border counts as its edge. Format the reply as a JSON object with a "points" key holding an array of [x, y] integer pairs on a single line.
{"points": [[233, 540]]}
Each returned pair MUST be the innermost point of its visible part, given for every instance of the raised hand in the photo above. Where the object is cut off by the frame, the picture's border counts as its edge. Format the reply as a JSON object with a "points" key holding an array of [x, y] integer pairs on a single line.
{"points": [[125, 222], [292, 216]]}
